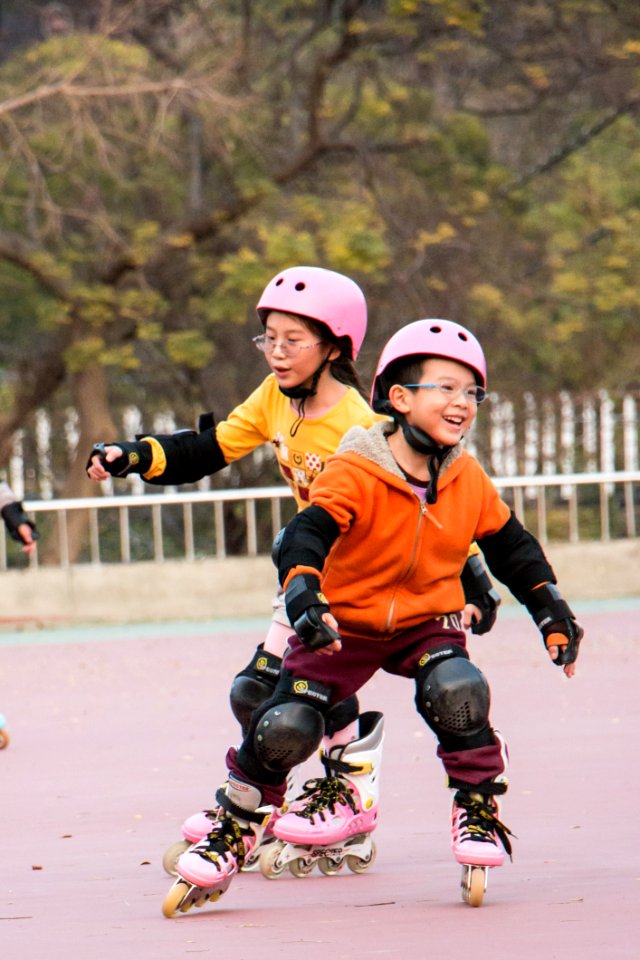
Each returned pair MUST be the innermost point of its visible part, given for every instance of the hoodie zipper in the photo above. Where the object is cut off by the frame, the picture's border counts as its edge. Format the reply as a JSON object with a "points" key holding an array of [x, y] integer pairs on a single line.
{"points": [[423, 512]]}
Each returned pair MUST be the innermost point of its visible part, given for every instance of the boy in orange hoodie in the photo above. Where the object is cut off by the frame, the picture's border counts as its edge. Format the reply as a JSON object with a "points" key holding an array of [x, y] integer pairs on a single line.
{"points": [[377, 556]]}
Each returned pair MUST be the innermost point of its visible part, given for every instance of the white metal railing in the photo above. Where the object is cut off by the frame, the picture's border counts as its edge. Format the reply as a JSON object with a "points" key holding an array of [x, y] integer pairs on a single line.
{"points": [[621, 488]]}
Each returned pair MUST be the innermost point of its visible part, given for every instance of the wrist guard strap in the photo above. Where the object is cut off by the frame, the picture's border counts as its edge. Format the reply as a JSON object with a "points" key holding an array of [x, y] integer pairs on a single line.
{"points": [[136, 457], [546, 606], [305, 605]]}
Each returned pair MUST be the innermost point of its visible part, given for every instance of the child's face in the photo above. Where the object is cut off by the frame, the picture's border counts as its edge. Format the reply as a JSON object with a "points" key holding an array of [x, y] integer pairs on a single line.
{"points": [[445, 417], [291, 349]]}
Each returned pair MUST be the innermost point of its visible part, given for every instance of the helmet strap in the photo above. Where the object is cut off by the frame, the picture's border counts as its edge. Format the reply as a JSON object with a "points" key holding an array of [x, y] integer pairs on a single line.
{"points": [[302, 394], [423, 443]]}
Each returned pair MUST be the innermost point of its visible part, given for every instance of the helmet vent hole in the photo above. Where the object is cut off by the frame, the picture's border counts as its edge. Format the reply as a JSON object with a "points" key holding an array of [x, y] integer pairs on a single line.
{"points": [[300, 286], [436, 329], [462, 336]]}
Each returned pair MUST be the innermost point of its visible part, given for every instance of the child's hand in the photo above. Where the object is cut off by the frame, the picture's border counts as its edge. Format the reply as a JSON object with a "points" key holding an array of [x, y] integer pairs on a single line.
{"points": [[309, 614], [25, 532], [556, 650], [95, 467], [119, 459], [336, 646], [470, 614], [561, 632]]}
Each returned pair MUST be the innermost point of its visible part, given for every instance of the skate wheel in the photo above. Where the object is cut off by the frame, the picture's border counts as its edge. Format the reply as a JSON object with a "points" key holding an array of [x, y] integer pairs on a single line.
{"points": [[4, 739], [474, 884], [362, 864], [269, 864], [170, 858], [300, 867], [329, 867], [174, 898]]}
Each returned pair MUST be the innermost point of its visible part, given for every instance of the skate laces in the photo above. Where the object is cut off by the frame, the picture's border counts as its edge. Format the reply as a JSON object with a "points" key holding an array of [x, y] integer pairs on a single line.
{"points": [[227, 836], [324, 793], [480, 823]]}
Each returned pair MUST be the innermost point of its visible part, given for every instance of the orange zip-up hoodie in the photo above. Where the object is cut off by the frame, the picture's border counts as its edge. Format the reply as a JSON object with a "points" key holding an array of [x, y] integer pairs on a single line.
{"points": [[397, 562]]}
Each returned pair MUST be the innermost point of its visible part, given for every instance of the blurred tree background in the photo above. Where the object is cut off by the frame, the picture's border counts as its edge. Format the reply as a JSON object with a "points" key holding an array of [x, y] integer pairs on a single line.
{"points": [[160, 160]]}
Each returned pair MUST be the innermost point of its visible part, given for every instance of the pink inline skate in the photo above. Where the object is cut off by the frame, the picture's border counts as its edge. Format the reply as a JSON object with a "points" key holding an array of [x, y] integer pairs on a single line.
{"points": [[479, 841], [332, 821], [198, 825], [205, 871]]}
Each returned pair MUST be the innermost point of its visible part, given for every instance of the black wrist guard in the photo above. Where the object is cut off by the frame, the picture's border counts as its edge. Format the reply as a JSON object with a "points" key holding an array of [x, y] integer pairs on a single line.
{"points": [[479, 590], [136, 457], [305, 604], [553, 615], [14, 516]]}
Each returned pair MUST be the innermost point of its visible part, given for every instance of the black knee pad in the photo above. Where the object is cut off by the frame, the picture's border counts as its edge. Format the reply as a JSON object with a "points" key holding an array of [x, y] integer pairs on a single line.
{"points": [[453, 697], [253, 685], [287, 734]]}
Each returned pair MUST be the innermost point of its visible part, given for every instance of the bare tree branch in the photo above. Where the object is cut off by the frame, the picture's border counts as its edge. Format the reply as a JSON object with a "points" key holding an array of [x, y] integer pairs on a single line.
{"points": [[15, 249], [585, 136]]}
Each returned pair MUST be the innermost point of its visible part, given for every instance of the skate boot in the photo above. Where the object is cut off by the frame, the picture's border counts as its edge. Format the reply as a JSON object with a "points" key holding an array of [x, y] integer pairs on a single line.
{"points": [[479, 841], [196, 827], [207, 868], [332, 821]]}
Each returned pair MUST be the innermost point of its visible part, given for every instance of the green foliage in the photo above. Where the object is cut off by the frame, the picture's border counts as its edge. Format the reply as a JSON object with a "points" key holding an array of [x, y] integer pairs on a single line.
{"points": [[189, 349], [151, 183]]}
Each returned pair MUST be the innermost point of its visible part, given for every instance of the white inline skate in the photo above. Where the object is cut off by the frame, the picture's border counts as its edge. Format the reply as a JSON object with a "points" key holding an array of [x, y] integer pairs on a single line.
{"points": [[479, 841], [332, 821], [205, 871]]}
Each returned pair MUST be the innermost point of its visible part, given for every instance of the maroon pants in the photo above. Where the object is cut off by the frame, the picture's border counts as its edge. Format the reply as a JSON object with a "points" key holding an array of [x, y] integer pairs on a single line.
{"points": [[344, 673]]}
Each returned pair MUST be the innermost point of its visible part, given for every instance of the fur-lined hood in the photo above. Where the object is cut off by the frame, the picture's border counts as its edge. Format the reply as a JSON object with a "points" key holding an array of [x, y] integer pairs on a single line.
{"points": [[372, 445]]}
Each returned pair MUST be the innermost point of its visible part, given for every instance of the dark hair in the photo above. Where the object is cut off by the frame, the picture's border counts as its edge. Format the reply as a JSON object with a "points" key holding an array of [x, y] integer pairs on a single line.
{"points": [[403, 370], [342, 368]]}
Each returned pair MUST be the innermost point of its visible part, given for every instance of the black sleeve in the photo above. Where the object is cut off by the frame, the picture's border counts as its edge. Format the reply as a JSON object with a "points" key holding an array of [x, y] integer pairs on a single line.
{"points": [[190, 456], [516, 558], [307, 540], [14, 516]]}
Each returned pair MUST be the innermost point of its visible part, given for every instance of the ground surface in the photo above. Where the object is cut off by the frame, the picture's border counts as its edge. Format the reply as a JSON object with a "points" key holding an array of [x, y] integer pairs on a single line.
{"points": [[119, 733]]}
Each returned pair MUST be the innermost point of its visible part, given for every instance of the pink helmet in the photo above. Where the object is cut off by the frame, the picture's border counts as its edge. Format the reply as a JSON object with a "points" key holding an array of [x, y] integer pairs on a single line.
{"points": [[322, 295], [435, 338]]}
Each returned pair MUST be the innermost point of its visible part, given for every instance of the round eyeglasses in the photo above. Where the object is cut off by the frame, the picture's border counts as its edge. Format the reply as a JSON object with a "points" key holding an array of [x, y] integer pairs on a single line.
{"points": [[290, 348]]}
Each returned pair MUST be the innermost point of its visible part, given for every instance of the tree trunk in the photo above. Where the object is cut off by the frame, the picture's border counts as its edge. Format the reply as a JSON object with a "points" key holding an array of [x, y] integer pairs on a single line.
{"points": [[91, 400]]}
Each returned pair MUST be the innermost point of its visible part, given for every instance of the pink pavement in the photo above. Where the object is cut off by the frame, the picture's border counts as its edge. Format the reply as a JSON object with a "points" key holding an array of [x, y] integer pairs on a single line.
{"points": [[117, 734]]}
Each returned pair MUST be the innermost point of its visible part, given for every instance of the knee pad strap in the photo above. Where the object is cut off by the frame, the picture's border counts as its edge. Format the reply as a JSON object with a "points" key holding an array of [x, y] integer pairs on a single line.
{"points": [[253, 685]]}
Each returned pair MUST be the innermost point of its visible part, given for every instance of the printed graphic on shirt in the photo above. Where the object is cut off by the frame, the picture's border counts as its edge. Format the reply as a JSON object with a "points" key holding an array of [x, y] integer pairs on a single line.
{"points": [[281, 448], [313, 464], [299, 468]]}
